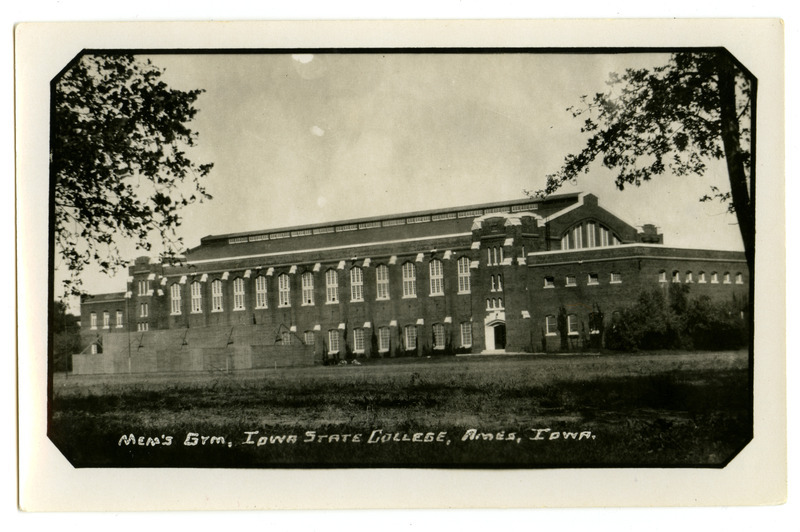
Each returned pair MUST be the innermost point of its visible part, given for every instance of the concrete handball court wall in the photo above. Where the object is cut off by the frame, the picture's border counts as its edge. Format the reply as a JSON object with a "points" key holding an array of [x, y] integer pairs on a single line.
{"points": [[203, 349]]}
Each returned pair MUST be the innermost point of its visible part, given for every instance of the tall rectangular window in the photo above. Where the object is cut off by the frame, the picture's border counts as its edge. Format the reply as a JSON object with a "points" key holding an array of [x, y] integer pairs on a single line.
{"points": [[466, 334], [410, 337], [307, 282], [119, 319], [572, 324], [261, 292], [175, 299], [308, 337], [382, 280], [106, 320], [358, 340], [739, 278], [383, 339], [331, 286], [714, 277], [437, 280], [286, 338], [238, 294], [701, 277], [409, 280], [463, 275], [550, 326], [333, 341], [283, 290], [144, 310], [356, 284], [197, 297], [438, 336], [144, 287], [726, 278], [216, 296]]}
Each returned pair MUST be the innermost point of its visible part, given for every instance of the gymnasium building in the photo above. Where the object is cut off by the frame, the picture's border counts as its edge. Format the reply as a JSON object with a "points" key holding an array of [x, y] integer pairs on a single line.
{"points": [[487, 278]]}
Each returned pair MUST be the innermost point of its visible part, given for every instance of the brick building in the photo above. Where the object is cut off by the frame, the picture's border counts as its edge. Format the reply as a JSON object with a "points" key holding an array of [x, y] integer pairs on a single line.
{"points": [[481, 278]]}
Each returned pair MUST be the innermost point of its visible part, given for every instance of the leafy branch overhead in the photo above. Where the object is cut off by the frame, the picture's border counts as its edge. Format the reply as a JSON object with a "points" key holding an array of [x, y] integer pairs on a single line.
{"points": [[675, 117], [118, 160]]}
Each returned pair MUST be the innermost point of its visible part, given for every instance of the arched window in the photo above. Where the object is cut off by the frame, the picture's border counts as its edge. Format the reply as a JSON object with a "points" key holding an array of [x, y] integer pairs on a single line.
{"points": [[284, 290], [356, 284], [437, 280], [175, 299], [331, 286], [261, 292], [463, 275], [238, 294], [382, 280], [726, 277], [739, 278], [197, 297], [409, 280], [701, 277], [689, 278], [676, 276], [307, 284], [588, 235], [216, 295]]}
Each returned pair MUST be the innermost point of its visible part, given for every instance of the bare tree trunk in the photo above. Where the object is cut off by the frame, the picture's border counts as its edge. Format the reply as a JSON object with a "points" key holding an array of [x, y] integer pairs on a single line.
{"points": [[740, 195]]}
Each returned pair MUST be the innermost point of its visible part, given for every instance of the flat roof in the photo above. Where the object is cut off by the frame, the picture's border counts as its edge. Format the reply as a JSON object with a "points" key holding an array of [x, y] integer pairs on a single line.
{"points": [[507, 203]]}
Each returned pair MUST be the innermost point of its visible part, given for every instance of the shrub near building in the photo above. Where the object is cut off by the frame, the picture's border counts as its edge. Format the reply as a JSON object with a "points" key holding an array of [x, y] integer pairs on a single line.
{"points": [[678, 322]]}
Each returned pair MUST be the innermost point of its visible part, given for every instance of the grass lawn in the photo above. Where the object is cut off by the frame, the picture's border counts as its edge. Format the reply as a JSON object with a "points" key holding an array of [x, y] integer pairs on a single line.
{"points": [[657, 409]]}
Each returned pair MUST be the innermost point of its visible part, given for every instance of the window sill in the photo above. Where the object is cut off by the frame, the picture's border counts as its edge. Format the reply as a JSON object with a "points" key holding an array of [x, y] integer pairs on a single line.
{"points": [[356, 301], [216, 310], [197, 312], [464, 293], [615, 282], [381, 299], [551, 334], [409, 297], [303, 305], [437, 295], [331, 302], [358, 351], [570, 285], [548, 287], [239, 309]]}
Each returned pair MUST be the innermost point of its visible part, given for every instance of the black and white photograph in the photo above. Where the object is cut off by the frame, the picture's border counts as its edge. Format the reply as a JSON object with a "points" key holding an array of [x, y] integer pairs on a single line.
{"points": [[453, 257]]}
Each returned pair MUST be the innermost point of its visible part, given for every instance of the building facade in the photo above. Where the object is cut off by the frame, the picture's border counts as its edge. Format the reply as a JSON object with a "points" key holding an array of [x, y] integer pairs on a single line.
{"points": [[487, 278]]}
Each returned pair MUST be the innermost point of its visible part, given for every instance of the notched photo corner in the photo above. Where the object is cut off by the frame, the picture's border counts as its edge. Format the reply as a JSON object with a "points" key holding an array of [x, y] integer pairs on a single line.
{"points": [[484, 258]]}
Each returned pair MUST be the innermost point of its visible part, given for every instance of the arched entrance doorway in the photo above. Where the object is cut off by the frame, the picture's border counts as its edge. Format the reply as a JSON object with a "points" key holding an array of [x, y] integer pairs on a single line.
{"points": [[495, 334], [499, 336]]}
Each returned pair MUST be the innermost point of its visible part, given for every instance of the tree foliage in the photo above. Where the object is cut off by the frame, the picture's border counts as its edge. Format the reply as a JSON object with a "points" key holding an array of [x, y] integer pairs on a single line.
{"points": [[119, 137], [675, 117]]}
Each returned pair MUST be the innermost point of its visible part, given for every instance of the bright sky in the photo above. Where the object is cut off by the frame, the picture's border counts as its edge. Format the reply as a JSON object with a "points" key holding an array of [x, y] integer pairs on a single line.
{"points": [[299, 139]]}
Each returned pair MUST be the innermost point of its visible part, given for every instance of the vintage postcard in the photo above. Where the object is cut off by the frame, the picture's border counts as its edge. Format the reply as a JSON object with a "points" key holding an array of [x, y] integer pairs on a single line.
{"points": [[439, 259]]}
